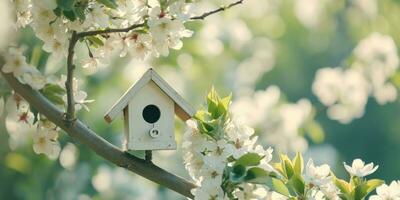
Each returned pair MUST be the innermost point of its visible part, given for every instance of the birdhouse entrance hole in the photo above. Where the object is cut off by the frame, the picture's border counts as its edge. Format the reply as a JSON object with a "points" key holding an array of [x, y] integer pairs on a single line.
{"points": [[151, 114]]}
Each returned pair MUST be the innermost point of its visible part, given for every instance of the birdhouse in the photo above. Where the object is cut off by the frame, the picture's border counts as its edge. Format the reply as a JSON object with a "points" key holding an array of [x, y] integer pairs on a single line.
{"points": [[149, 109]]}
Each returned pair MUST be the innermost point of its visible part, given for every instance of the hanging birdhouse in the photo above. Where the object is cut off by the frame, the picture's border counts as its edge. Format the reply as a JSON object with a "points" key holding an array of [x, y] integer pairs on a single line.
{"points": [[149, 107]]}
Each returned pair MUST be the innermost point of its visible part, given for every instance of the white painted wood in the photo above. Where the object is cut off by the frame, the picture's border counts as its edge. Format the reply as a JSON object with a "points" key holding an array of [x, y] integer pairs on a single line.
{"points": [[117, 108], [182, 109], [179, 101], [139, 137]]}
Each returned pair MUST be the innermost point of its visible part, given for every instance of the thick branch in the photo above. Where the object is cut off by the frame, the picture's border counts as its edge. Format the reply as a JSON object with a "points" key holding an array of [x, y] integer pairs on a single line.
{"points": [[83, 134], [220, 9]]}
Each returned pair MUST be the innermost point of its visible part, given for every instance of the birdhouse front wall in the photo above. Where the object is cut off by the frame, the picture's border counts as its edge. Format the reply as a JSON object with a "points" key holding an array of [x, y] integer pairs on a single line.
{"points": [[150, 120]]}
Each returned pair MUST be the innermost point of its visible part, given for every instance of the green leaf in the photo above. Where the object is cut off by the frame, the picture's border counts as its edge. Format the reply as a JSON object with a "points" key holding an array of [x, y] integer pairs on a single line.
{"points": [[249, 159], [298, 163], [58, 12], [365, 187], [69, 14], [373, 184], [201, 115], [287, 166], [66, 5], [237, 173], [53, 88], [96, 41], [297, 183], [257, 175], [223, 105], [55, 99], [54, 93], [108, 3], [80, 12], [280, 187], [278, 167], [212, 102], [315, 131], [343, 186]]}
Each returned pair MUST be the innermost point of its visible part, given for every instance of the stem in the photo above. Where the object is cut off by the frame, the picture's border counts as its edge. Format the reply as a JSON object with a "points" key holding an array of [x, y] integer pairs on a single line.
{"points": [[220, 9], [109, 30], [69, 83]]}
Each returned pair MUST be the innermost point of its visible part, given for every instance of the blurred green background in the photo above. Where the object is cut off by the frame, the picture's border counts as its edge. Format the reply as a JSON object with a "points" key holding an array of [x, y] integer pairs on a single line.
{"points": [[295, 38]]}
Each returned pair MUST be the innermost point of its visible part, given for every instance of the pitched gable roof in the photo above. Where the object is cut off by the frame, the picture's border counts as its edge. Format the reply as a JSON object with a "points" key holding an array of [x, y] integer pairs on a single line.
{"points": [[182, 109]]}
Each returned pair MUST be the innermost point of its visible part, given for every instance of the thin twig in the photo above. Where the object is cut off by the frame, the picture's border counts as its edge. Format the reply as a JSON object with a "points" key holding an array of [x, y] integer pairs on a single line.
{"points": [[220, 9], [110, 30], [69, 83]]}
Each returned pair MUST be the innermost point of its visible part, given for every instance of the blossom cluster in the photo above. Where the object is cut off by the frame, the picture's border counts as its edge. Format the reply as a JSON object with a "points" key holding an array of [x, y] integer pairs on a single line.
{"points": [[160, 26], [346, 90], [223, 158], [280, 123], [46, 134]]}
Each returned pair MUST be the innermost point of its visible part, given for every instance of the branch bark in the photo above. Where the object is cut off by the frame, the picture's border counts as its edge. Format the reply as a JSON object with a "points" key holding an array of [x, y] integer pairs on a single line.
{"points": [[69, 83], [103, 148]]}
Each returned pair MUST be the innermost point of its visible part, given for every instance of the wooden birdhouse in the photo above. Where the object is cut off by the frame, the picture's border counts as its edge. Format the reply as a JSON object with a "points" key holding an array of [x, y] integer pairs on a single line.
{"points": [[149, 107]]}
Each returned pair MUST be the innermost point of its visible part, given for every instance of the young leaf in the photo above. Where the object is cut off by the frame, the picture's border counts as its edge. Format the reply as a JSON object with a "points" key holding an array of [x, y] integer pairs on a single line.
{"points": [[373, 184], [53, 88], [96, 41], [212, 102], [287, 166], [343, 186], [298, 163], [249, 159], [297, 183], [280, 187]]}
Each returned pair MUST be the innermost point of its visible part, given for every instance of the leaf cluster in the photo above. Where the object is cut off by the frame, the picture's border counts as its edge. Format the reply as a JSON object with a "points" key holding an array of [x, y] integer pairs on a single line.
{"points": [[212, 120]]}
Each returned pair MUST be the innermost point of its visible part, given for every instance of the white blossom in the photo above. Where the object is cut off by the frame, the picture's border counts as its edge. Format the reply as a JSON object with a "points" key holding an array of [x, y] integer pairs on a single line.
{"points": [[81, 101], [33, 78], [344, 91], [376, 56], [251, 192], [45, 142], [15, 62], [387, 192], [358, 168], [317, 175]]}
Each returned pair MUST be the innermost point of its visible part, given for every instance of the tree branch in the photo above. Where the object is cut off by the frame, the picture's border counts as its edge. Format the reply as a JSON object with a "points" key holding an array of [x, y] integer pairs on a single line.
{"points": [[109, 30], [220, 9], [69, 83], [103, 148]]}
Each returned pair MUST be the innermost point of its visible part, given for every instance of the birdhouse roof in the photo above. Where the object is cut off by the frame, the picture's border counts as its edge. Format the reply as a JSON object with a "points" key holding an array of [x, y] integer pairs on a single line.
{"points": [[182, 109]]}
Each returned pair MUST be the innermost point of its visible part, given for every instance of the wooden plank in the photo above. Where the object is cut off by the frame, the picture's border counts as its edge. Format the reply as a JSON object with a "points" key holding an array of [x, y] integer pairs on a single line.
{"points": [[127, 128], [179, 101], [139, 137], [117, 108]]}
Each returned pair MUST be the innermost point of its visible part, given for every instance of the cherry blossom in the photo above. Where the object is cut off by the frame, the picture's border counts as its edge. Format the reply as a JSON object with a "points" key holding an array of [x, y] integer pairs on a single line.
{"points": [[358, 168]]}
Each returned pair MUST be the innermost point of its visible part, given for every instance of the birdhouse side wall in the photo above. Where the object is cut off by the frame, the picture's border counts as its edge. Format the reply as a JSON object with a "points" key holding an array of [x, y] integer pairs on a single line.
{"points": [[139, 129]]}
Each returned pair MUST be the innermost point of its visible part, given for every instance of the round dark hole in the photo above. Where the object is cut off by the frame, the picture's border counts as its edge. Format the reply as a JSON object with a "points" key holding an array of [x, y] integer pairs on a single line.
{"points": [[151, 114]]}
